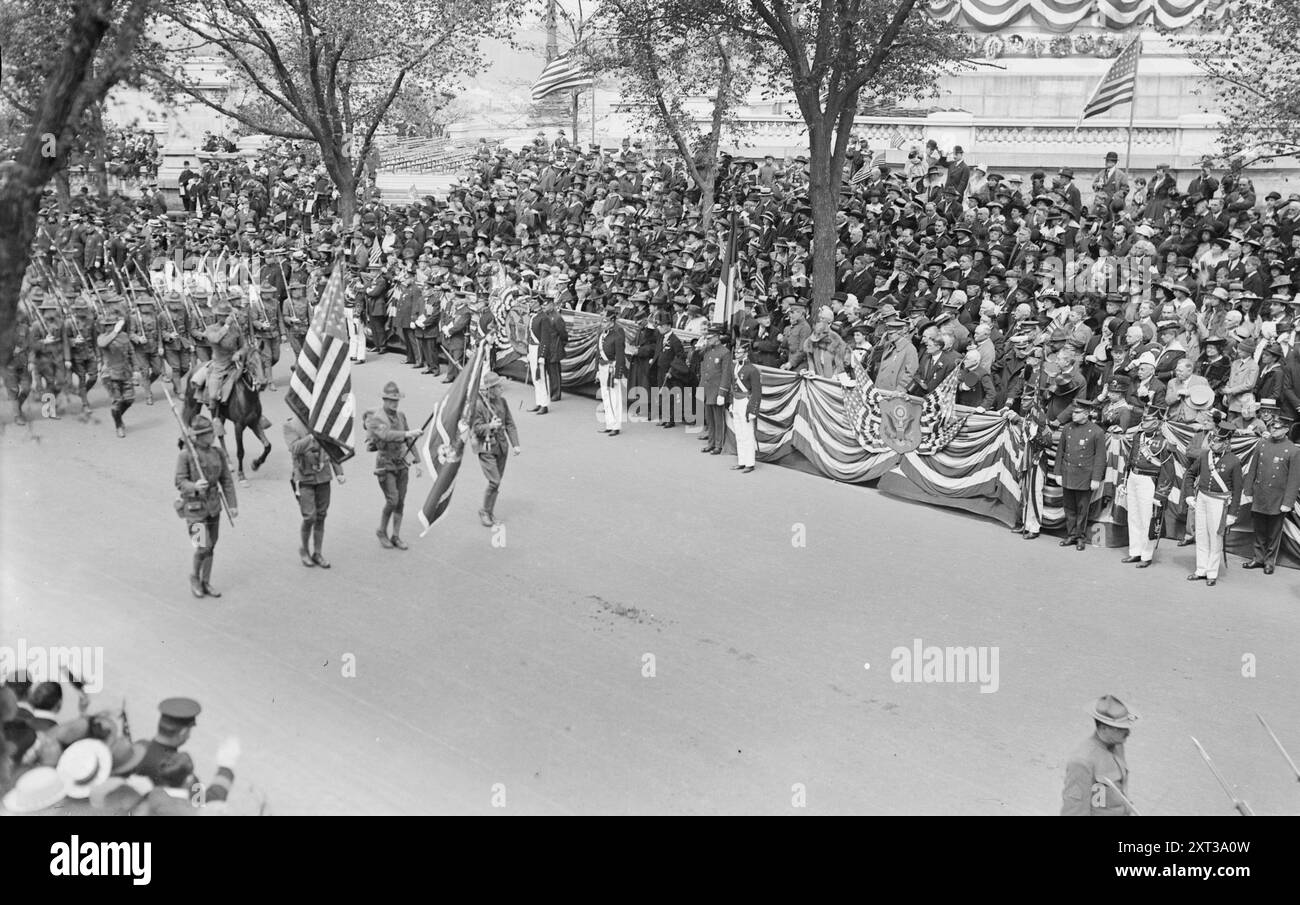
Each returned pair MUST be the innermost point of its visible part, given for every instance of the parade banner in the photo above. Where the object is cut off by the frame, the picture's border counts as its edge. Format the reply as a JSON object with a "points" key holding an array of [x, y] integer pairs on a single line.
{"points": [[1066, 15]]}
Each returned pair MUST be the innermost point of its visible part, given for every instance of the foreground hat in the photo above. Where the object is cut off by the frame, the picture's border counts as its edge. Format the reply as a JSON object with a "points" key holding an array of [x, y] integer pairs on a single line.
{"points": [[1111, 711], [392, 392], [37, 789], [84, 765], [491, 379], [199, 426]]}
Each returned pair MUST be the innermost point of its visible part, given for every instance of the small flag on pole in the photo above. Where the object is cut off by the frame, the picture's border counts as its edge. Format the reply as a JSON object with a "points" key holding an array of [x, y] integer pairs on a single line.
{"points": [[1116, 86], [564, 73], [443, 445], [724, 300], [320, 390], [897, 139]]}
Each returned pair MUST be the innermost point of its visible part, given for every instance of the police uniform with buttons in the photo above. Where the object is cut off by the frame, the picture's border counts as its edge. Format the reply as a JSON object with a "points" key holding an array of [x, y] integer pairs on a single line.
{"points": [[1080, 461], [1272, 485]]}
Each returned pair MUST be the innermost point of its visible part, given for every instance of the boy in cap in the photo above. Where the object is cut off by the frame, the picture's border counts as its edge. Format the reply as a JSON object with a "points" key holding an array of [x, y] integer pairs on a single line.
{"points": [[202, 477], [611, 372], [492, 426]]}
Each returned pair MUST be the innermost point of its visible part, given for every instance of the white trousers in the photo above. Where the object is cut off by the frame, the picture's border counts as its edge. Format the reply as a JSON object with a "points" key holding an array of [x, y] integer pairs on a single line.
{"points": [[1209, 541], [541, 390], [1140, 503], [356, 338], [614, 397], [743, 428]]}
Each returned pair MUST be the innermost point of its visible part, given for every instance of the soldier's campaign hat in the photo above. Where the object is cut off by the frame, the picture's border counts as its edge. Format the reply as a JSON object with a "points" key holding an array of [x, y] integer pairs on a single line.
{"points": [[185, 711], [221, 305], [1111, 711], [491, 379], [392, 392]]}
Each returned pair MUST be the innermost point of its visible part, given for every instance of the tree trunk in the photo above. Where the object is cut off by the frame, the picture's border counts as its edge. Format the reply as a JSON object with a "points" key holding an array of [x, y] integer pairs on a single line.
{"points": [[706, 195], [99, 147], [822, 199], [19, 202], [63, 191]]}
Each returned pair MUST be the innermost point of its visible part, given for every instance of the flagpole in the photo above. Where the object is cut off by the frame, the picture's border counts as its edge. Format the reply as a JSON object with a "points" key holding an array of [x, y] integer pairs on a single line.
{"points": [[593, 111], [576, 140], [1132, 109]]}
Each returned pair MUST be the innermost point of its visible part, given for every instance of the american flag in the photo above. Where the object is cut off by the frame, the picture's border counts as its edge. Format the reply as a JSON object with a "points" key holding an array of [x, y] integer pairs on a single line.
{"points": [[443, 445], [940, 420], [897, 139], [1116, 86], [320, 391], [760, 282], [564, 73]]}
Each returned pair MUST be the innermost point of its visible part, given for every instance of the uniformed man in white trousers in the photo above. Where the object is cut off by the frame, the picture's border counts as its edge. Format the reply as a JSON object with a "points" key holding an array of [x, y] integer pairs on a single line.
{"points": [[611, 372], [746, 395]]}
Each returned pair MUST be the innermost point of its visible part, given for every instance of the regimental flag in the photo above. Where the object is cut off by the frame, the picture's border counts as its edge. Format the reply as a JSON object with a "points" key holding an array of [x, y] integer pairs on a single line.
{"points": [[443, 445], [320, 390], [1116, 86], [724, 301], [564, 73]]}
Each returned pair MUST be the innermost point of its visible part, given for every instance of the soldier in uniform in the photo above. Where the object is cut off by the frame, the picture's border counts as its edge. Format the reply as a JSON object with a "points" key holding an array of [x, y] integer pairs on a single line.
{"points": [[226, 338], [116, 352], [1212, 489], [746, 396], [313, 470], [265, 337], [1100, 757], [51, 351], [388, 434], [82, 330], [177, 340], [203, 318], [427, 329], [492, 427], [1080, 466], [1272, 485], [201, 483], [611, 372], [538, 330], [177, 719], [1147, 453], [297, 316], [715, 382], [148, 345], [455, 328], [1117, 413]]}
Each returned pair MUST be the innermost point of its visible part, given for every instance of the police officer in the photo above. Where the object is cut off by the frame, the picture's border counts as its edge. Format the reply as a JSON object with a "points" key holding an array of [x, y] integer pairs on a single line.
{"points": [[611, 372], [1080, 466], [116, 354], [1273, 485], [1147, 453], [177, 719], [1098, 758], [388, 434], [148, 345], [1212, 488], [492, 427], [201, 477]]}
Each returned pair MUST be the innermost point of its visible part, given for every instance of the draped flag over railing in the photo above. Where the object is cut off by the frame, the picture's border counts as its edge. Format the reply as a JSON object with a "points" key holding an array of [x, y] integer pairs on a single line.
{"points": [[320, 390], [443, 444], [564, 73], [902, 423]]}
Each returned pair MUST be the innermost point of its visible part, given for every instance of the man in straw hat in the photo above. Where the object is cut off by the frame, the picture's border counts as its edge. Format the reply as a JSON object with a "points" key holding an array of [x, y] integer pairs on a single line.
{"points": [[387, 434], [1098, 763], [492, 427]]}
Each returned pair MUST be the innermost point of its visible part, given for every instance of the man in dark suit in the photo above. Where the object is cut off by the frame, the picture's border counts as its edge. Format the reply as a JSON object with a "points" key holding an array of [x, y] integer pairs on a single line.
{"points": [[672, 368], [552, 335], [935, 363], [377, 310], [958, 171]]}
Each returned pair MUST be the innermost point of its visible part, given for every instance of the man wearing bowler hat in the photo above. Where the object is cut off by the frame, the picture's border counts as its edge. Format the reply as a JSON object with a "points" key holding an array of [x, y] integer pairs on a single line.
{"points": [[1098, 764]]}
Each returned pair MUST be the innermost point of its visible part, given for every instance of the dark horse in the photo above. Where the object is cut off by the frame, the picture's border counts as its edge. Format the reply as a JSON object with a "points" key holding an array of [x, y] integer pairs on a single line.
{"points": [[242, 410]]}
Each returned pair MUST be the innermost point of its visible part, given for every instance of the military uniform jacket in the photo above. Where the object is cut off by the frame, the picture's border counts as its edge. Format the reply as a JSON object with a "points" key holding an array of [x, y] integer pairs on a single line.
{"points": [[1081, 455], [613, 351], [388, 434], [488, 439], [1085, 795], [747, 386], [715, 373], [1224, 478], [212, 466], [311, 464], [1275, 479], [177, 318], [116, 354]]}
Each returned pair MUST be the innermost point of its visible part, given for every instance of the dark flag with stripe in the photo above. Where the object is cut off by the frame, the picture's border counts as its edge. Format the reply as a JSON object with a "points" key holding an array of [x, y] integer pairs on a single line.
{"points": [[564, 73], [1117, 84], [443, 445], [320, 390]]}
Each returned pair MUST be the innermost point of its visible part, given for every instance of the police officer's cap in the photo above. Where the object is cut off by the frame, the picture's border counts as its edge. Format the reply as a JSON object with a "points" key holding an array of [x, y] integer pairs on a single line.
{"points": [[183, 710]]}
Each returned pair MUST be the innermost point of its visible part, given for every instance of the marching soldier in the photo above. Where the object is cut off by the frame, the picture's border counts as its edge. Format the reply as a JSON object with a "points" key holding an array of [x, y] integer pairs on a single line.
{"points": [[1080, 466], [116, 352], [52, 352], [82, 330], [201, 476], [18, 378], [1147, 453], [1098, 763], [225, 337], [297, 316], [492, 427], [611, 372], [199, 323], [178, 344], [1273, 485], [313, 470], [1212, 488], [148, 345], [388, 434], [265, 337]]}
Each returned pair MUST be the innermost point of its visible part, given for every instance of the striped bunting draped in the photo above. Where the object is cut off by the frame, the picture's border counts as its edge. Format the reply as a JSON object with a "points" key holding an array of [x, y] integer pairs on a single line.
{"points": [[940, 421], [1066, 15], [320, 389]]}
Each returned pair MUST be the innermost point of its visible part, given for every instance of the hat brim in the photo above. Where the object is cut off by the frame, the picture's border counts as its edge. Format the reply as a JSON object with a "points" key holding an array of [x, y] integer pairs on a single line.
{"points": [[1126, 722]]}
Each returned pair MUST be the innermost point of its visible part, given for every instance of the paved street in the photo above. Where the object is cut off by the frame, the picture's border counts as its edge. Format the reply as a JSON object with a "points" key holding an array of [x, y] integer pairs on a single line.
{"points": [[521, 666]]}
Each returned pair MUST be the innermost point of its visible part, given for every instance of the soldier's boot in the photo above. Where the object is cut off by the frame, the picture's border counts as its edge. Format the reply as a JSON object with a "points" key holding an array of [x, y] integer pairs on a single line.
{"points": [[382, 533], [196, 574], [269, 382], [117, 419], [397, 530], [20, 419], [207, 574], [318, 538], [304, 534]]}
